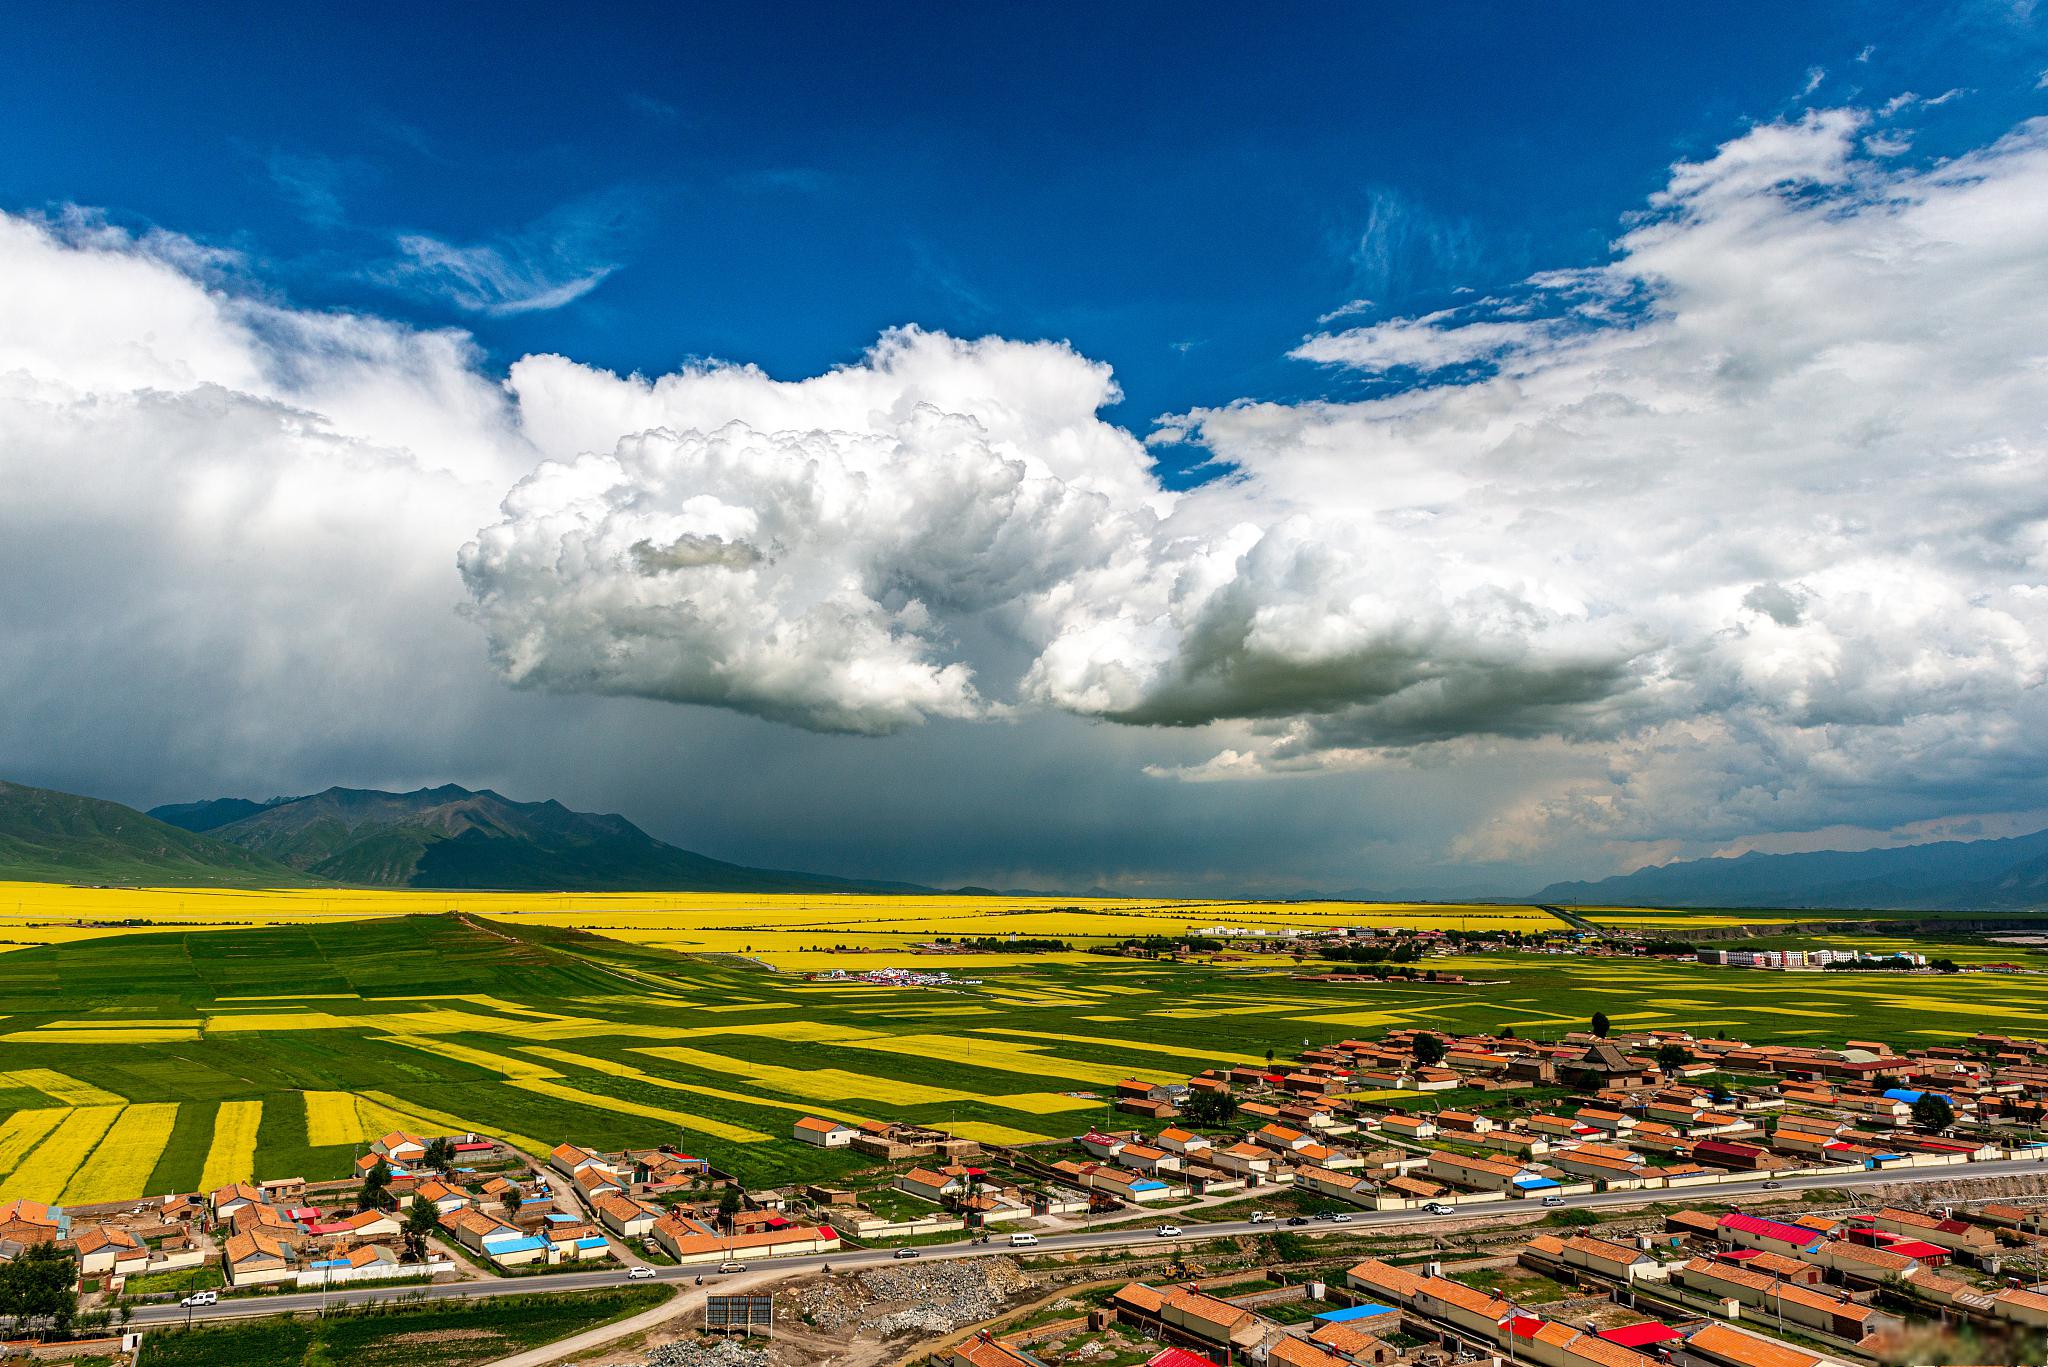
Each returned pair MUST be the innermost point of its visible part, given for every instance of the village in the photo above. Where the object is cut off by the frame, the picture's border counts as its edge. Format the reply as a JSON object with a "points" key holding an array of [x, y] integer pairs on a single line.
{"points": [[1414, 1125]]}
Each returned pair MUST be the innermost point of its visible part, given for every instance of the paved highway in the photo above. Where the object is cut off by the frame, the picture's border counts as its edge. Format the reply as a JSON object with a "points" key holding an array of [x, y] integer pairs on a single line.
{"points": [[1125, 1236]]}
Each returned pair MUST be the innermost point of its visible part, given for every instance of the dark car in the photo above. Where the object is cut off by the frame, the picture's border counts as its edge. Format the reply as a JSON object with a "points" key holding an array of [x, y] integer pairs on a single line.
{"points": [[905, 1253], [1297, 1219]]}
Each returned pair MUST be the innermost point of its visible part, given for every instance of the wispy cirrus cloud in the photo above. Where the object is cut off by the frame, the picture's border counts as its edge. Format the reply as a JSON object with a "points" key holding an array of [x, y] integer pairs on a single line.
{"points": [[552, 263]]}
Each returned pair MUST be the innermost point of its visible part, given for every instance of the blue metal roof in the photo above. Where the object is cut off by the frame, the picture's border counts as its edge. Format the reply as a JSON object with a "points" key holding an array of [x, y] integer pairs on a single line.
{"points": [[520, 1244], [1534, 1183], [1355, 1312]]}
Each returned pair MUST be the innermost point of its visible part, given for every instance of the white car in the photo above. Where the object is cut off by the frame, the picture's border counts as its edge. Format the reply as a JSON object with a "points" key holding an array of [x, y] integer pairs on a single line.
{"points": [[1262, 1217], [640, 1274], [1168, 1231], [201, 1298], [1439, 1208], [1340, 1218]]}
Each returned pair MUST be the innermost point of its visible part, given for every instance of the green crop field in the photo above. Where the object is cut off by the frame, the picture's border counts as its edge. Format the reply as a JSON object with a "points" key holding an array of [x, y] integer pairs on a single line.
{"points": [[447, 1334], [155, 1062]]}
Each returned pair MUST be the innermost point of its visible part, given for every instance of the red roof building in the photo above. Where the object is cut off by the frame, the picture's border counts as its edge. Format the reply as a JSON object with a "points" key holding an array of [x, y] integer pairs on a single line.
{"points": [[1177, 1357]]}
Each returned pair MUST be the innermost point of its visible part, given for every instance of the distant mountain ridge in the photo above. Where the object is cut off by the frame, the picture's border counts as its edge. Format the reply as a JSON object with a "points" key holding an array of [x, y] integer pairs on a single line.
{"points": [[52, 837], [1951, 875], [454, 837]]}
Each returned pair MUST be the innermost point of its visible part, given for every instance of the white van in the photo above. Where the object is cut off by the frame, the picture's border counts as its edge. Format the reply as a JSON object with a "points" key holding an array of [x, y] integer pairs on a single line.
{"points": [[1023, 1240]]}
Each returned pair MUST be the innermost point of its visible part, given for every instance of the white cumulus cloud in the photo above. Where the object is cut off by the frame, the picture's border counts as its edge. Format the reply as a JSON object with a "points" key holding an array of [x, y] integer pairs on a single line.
{"points": [[1741, 529]]}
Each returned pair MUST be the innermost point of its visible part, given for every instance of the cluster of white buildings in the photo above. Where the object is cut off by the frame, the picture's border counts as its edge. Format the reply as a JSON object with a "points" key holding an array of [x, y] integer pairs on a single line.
{"points": [[1802, 958], [896, 977]]}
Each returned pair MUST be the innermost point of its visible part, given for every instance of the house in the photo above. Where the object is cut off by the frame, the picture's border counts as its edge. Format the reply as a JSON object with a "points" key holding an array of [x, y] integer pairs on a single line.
{"points": [[929, 1185], [1246, 1160], [1294, 1352], [256, 1258], [1384, 1282], [1723, 1153], [494, 1239], [103, 1249], [1772, 1236], [1723, 1345], [1483, 1174], [225, 1201], [593, 1182], [687, 1241], [624, 1216], [1604, 1257], [571, 1240], [373, 1224], [1354, 1344], [825, 1134], [1211, 1320], [984, 1350], [442, 1197], [399, 1147], [1871, 1266], [1181, 1141], [1281, 1138], [1806, 1305], [1467, 1307], [1972, 1241], [27, 1222], [1147, 1159], [570, 1159], [1408, 1127]]}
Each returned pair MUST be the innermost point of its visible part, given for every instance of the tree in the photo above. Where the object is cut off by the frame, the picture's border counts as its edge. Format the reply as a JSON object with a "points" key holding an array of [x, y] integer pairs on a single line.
{"points": [[1672, 1057], [440, 1155], [1600, 1026], [1932, 1112], [729, 1206], [1719, 1094], [376, 1191], [41, 1283], [1429, 1049], [1209, 1109], [1269, 1058], [421, 1220]]}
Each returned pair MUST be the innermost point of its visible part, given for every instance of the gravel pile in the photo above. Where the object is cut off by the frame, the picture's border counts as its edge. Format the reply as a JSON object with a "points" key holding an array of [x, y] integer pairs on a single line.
{"points": [[925, 1298], [723, 1353]]}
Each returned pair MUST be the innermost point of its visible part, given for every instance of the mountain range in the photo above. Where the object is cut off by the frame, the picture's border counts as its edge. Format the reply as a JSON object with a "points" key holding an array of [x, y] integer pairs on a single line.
{"points": [[455, 837], [47, 836], [1949, 875], [446, 837]]}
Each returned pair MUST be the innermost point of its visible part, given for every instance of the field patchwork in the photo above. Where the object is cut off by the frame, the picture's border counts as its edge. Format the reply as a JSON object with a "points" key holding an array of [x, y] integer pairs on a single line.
{"points": [[231, 1155], [47, 1169], [119, 1166]]}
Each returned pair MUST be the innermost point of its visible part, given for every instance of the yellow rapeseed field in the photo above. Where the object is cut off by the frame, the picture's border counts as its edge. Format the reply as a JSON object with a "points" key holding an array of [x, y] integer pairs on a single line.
{"points": [[58, 1087], [46, 1171], [794, 931], [119, 1166], [23, 1130], [332, 1119], [231, 1156]]}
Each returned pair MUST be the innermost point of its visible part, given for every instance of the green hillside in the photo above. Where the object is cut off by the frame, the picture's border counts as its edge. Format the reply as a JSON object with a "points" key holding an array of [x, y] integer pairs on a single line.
{"points": [[452, 837], [47, 836]]}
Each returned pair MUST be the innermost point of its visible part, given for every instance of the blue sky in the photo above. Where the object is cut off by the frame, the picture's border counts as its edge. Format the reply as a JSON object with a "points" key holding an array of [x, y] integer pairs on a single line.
{"points": [[1656, 481], [1179, 192]]}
